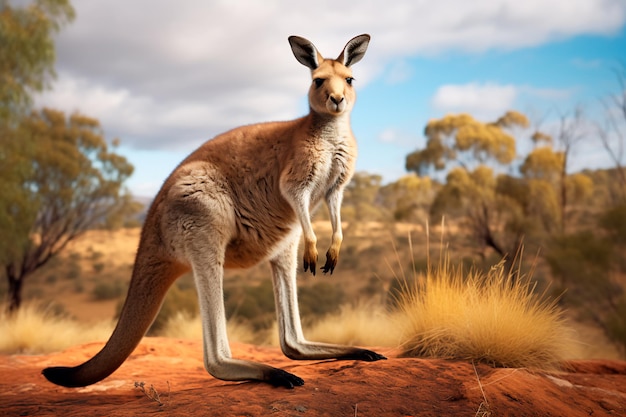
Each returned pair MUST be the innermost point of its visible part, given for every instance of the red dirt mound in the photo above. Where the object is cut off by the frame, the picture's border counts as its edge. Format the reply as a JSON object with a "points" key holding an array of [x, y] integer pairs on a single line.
{"points": [[173, 370]]}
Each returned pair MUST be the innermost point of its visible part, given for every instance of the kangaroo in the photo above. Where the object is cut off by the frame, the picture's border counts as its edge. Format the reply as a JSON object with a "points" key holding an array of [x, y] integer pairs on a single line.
{"points": [[244, 197]]}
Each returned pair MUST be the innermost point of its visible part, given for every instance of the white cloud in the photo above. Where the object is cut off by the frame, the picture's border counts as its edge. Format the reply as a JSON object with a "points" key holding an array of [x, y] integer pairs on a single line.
{"points": [[398, 137], [156, 71], [388, 136], [484, 101], [398, 72], [551, 94]]}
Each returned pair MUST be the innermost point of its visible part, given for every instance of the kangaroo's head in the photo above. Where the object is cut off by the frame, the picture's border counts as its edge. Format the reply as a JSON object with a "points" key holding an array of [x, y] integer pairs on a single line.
{"points": [[331, 91]]}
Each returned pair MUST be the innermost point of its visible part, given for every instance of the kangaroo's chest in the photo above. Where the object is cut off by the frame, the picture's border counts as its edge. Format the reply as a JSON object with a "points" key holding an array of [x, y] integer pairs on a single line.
{"points": [[333, 170]]}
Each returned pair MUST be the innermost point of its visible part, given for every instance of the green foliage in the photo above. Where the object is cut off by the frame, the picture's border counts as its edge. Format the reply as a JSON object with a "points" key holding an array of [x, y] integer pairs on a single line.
{"points": [[614, 222], [501, 210], [582, 259], [360, 196], [27, 51], [107, 290], [580, 187], [616, 325], [74, 271], [582, 264], [543, 163], [73, 182], [255, 304], [473, 191], [373, 288], [542, 208], [409, 197], [252, 303], [494, 218], [320, 299], [177, 301], [98, 267], [462, 138]]}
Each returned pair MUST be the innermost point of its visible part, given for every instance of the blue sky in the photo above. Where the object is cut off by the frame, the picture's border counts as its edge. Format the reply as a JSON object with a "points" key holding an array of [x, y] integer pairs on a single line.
{"points": [[543, 82], [165, 81]]}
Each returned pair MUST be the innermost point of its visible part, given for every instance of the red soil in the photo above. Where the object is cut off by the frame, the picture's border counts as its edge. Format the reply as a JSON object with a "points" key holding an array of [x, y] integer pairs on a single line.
{"points": [[395, 387]]}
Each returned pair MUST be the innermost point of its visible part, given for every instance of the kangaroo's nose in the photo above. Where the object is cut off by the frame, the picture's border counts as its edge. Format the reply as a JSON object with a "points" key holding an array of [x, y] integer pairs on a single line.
{"points": [[336, 100]]}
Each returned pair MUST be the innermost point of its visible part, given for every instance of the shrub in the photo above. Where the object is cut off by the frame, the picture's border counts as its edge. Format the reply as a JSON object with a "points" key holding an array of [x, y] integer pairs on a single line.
{"points": [[485, 317], [106, 290], [35, 329], [74, 272], [254, 304], [98, 267], [583, 263], [176, 301], [614, 222], [320, 298], [616, 325]]}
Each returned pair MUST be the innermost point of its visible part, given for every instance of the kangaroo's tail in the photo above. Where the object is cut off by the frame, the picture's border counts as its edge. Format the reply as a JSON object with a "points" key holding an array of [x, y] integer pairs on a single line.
{"points": [[152, 277]]}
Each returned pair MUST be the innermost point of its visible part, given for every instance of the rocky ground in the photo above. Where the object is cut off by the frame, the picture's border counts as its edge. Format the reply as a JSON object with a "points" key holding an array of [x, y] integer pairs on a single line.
{"points": [[166, 377]]}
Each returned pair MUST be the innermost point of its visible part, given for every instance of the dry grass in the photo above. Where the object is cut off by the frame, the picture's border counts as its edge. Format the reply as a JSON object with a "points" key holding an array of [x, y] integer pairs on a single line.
{"points": [[181, 326], [364, 324], [490, 318], [480, 317], [34, 329]]}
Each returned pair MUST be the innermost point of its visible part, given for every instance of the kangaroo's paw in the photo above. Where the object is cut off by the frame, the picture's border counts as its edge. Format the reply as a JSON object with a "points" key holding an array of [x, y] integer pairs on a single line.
{"points": [[363, 355], [331, 262], [310, 259], [280, 378]]}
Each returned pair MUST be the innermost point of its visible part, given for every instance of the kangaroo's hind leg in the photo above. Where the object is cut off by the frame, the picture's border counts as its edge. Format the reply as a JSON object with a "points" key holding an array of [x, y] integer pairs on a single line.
{"points": [[206, 255], [292, 340]]}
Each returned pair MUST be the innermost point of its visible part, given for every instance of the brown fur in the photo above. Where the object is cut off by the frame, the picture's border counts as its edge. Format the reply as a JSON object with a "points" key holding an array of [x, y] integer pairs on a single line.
{"points": [[242, 198]]}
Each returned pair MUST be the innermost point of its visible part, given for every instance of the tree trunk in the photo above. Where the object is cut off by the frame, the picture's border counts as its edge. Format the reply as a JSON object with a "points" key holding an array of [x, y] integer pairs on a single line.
{"points": [[15, 291], [563, 201], [485, 235]]}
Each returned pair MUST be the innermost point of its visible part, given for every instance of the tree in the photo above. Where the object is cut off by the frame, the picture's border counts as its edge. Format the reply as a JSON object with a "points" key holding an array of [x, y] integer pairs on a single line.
{"points": [[612, 134], [471, 187], [359, 198], [408, 198], [74, 182], [547, 165], [466, 141], [27, 52], [26, 66]]}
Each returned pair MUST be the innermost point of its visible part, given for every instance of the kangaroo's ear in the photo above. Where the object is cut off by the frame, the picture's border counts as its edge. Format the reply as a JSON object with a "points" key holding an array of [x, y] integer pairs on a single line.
{"points": [[354, 50], [305, 52]]}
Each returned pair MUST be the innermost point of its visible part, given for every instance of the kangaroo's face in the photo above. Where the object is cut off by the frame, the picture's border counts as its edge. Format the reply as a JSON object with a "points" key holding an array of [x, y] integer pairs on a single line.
{"points": [[331, 91]]}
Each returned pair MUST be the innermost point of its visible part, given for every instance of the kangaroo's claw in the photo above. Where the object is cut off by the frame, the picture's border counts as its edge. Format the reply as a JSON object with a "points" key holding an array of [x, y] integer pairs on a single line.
{"points": [[331, 262], [309, 265]]}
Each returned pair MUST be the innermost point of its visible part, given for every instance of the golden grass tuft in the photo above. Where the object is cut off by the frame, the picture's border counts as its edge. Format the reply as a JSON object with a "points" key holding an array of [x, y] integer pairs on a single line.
{"points": [[360, 324], [34, 329], [363, 324], [485, 317], [182, 326]]}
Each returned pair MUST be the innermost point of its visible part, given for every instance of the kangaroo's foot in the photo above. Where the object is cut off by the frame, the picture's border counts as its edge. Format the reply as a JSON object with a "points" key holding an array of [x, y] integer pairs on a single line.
{"points": [[280, 378], [362, 355]]}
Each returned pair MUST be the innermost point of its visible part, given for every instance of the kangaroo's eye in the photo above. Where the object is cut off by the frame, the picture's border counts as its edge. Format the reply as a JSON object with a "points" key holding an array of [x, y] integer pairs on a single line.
{"points": [[318, 82], [349, 80]]}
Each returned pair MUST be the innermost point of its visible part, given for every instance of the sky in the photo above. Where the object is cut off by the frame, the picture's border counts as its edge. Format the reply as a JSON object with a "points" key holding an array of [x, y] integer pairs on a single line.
{"points": [[165, 76]]}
